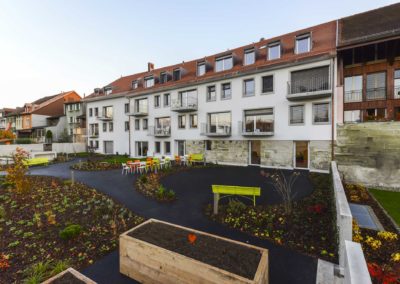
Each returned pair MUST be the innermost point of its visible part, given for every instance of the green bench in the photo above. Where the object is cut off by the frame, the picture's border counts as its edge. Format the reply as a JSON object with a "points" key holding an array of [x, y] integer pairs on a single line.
{"points": [[36, 162], [197, 158], [229, 190]]}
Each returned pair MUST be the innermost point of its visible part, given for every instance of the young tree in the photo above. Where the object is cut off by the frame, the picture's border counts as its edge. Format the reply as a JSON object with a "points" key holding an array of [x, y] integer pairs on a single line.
{"points": [[16, 173]]}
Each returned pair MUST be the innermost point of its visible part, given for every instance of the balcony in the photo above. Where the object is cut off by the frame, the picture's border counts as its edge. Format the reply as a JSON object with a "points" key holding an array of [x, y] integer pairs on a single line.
{"points": [[184, 105], [93, 134], [139, 112], [311, 91], [215, 130], [105, 117], [376, 94], [265, 128], [164, 131], [353, 96]]}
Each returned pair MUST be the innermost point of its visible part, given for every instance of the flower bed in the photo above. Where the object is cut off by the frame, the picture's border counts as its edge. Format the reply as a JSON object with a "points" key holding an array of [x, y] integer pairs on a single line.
{"points": [[95, 165], [56, 221], [381, 249], [310, 228]]}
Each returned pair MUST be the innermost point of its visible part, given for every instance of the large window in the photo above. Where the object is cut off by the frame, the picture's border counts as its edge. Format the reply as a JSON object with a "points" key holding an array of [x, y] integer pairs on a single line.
{"points": [[141, 106], [353, 89], [321, 113], [211, 94], [141, 148], [248, 88], [352, 116], [303, 43], [397, 84], [260, 120], [296, 114], [157, 101], [163, 125], [187, 98], [274, 50], [219, 122], [309, 80], [108, 111], [193, 120], [249, 56], [226, 92], [201, 68], [223, 63], [268, 84], [149, 82], [375, 114], [376, 86], [181, 121], [94, 129], [167, 101]]}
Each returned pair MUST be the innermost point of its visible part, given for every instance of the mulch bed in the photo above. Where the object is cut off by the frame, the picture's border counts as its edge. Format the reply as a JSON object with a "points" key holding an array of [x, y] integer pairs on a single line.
{"points": [[92, 166], [379, 250], [237, 259], [310, 229], [30, 225]]}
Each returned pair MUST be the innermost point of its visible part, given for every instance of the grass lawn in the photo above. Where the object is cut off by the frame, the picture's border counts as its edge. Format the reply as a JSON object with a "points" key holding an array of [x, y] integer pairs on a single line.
{"points": [[390, 201]]}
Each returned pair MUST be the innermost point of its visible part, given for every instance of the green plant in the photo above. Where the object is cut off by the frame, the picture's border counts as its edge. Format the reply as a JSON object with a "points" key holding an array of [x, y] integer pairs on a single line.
{"points": [[171, 194], [143, 179], [49, 136], [23, 141], [38, 272], [2, 212], [70, 232], [235, 207], [60, 266]]}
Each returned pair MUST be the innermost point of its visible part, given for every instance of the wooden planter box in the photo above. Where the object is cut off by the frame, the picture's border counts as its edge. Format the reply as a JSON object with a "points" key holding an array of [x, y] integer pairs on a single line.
{"points": [[149, 263], [76, 274]]}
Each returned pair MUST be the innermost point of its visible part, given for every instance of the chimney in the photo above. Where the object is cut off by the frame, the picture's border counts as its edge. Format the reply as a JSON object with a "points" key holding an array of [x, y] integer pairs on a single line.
{"points": [[150, 67]]}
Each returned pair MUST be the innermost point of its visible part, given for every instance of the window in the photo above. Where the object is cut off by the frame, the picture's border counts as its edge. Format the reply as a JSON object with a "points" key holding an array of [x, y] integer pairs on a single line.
{"points": [[157, 101], [259, 120], [176, 74], [167, 147], [274, 50], [163, 125], [126, 125], [397, 84], [163, 77], [375, 114], [141, 148], [91, 143], [226, 91], [211, 94], [181, 121], [94, 129], [396, 113], [90, 112], [111, 126], [181, 145], [352, 116], [108, 111], [353, 89], [249, 56], [145, 124], [193, 120], [167, 101], [187, 98], [107, 90], [104, 127], [96, 144], [201, 68], [303, 43], [376, 86], [309, 80], [219, 123], [141, 106], [223, 63], [149, 82], [157, 147], [135, 84], [126, 107], [296, 115], [248, 88], [137, 124], [321, 113], [267, 84], [96, 111], [208, 145]]}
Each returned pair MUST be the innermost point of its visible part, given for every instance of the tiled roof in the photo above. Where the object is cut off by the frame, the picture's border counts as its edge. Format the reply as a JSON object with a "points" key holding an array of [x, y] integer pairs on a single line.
{"points": [[323, 43]]}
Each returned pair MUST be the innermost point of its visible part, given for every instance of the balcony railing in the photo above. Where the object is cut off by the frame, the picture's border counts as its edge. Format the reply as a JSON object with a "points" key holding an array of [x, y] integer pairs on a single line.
{"points": [[164, 131], [353, 96], [141, 111], [93, 134], [265, 128], [105, 117], [315, 88], [376, 94], [186, 104], [215, 130], [397, 92]]}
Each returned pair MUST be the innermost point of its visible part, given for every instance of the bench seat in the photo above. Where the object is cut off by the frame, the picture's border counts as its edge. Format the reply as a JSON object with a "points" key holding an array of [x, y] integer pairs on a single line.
{"points": [[36, 162], [229, 190]]}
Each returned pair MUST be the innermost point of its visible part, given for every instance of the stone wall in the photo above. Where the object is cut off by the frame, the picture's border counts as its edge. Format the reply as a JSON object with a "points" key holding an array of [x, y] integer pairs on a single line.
{"points": [[369, 153], [8, 150], [228, 151], [320, 155], [195, 146], [277, 153]]}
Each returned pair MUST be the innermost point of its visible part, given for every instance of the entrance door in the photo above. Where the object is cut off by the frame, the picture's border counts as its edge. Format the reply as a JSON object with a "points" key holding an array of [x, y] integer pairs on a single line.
{"points": [[181, 148], [108, 147], [255, 152], [301, 152]]}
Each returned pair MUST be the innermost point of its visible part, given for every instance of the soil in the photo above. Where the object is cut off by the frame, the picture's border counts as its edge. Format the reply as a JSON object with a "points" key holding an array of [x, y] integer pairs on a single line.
{"points": [[68, 278], [225, 255]]}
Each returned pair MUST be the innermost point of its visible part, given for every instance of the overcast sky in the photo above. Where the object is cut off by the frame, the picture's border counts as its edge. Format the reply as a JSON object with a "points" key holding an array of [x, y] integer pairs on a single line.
{"points": [[49, 46]]}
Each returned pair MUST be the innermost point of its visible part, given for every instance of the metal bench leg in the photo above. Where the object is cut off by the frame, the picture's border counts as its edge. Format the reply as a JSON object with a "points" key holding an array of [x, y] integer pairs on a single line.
{"points": [[254, 200], [216, 199]]}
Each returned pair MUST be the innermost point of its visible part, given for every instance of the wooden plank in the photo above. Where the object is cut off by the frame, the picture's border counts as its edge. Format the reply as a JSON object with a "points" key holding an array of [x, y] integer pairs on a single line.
{"points": [[76, 273]]}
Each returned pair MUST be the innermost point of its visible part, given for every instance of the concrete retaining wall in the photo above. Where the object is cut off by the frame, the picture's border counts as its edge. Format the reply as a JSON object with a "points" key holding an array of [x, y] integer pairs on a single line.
{"points": [[355, 270], [8, 150]]}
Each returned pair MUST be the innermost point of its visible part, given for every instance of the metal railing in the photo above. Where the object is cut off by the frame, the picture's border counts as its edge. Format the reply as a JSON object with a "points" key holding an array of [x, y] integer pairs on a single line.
{"points": [[140, 111], [164, 131], [353, 96], [187, 103], [259, 129], [376, 94], [215, 130]]}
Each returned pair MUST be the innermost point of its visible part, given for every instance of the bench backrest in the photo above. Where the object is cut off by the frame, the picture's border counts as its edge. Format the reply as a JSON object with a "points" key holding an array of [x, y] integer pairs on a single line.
{"points": [[238, 190], [37, 161], [197, 157]]}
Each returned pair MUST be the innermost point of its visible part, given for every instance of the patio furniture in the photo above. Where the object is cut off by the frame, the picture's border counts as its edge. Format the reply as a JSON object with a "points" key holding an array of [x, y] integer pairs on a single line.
{"points": [[36, 162], [177, 160], [142, 167], [197, 158], [229, 190], [125, 168]]}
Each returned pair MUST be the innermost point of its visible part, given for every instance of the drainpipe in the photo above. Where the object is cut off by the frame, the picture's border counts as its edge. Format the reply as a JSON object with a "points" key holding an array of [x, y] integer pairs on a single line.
{"points": [[333, 109], [129, 129]]}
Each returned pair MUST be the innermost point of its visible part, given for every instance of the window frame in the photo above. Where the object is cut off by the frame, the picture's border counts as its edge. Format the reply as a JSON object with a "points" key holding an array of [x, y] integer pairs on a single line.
{"points": [[127, 107], [127, 125], [190, 120], [174, 72], [302, 37], [272, 45], [169, 99], [137, 124], [157, 101], [304, 115], [223, 58], [159, 147], [222, 90], [329, 113], [165, 148], [182, 118], [165, 76], [215, 91], [104, 126], [248, 51], [111, 126], [145, 124], [147, 79], [244, 87], [273, 84], [135, 84], [201, 64]]}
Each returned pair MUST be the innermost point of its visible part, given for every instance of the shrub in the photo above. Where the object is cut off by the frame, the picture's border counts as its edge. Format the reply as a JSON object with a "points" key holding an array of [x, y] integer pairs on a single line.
{"points": [[235, 207], [23, 141], [143, 179], [70, 232], [164, 193], [16, 172]]}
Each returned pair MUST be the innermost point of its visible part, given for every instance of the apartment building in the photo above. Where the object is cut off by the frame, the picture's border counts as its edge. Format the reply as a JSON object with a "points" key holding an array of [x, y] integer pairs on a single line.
{"points": [[267, 103], [75, 113], [3, 118]]}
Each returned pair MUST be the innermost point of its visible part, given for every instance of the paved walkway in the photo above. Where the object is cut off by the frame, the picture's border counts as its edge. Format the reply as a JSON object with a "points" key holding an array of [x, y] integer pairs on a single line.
{"points": [[193, 192]]}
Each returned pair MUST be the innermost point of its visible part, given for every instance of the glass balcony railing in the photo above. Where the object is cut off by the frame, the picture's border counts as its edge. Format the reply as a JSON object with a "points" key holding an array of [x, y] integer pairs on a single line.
{"points": [[353, 96], [164, 131], [215, 130], [260, 128]]}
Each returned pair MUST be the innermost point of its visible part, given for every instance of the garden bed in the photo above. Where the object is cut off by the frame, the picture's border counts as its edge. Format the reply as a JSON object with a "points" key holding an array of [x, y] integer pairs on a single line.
{"points": [[197, 256], [95, 165], [310, 228], [56, 221], [69, 276]]}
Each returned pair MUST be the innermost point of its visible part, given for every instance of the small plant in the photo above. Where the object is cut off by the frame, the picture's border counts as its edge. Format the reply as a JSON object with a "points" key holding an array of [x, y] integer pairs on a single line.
{"points": [[16, 173], [38, 272], [60, 266], [161, 191], [143, 179], [235, 207], [70, 232]]}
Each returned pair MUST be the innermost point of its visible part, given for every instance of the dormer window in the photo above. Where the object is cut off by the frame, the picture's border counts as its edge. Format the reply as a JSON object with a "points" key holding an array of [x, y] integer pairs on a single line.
{"points": [[223, 63], [177, 74], [303, 43], [249, 56], [201, 68], [163, 77], [149, 82], [274, 50], [135, 84], [107, 90]]}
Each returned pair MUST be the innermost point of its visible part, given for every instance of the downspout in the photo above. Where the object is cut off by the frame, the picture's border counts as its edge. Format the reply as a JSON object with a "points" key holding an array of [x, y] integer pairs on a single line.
{"points": [[333, 111], [129, 127]]}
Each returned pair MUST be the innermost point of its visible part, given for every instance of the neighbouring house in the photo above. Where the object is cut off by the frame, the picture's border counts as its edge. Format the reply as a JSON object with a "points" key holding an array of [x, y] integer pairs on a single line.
{"points": [[75, 113], [3, 118]]}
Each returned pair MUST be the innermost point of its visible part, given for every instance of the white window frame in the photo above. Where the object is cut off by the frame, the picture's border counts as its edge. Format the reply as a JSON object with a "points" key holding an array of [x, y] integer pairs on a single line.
{"points": [[200, 64], [329, 113], [248, 51], [272, 45], [149, 79], [301, 37], [223, 59]]}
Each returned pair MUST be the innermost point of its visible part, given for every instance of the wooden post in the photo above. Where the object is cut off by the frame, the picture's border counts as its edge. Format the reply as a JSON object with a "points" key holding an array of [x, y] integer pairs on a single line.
{"points": [[72, 177], [216, 199]]}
